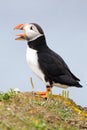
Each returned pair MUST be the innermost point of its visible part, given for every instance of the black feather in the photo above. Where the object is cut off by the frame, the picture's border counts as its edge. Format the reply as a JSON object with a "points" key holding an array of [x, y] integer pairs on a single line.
{"points": [[52, 65]]}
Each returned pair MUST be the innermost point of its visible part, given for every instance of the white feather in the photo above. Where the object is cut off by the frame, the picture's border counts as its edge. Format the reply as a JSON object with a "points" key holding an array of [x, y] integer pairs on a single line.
{"points": [[32, 34], [32, 60]]}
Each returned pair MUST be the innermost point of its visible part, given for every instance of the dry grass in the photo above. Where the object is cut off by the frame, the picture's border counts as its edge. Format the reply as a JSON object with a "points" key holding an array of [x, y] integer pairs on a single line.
{"points": [[25, 111]]}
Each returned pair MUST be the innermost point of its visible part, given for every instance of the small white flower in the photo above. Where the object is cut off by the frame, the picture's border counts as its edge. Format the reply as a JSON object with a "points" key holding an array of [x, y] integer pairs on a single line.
{"points": [[8, 108], [17, 90]]}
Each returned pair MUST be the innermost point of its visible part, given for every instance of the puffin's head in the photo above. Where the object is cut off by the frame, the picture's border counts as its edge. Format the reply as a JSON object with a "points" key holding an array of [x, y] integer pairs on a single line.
{"points": [[31, 31]]}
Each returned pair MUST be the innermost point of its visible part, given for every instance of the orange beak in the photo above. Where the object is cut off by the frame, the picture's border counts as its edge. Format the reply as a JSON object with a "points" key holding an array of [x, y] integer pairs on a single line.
{"points": [[20, 36]]}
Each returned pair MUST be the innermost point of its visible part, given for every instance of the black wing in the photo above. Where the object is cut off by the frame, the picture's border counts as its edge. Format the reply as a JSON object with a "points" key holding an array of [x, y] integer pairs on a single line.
{"points": [[55, 69]]}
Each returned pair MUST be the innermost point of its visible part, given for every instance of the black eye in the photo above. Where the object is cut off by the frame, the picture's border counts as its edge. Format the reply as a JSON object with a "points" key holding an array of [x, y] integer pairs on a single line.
{"points": [[31, 28]]}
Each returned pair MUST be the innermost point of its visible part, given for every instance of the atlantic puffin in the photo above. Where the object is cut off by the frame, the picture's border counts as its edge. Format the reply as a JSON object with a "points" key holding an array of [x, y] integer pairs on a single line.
{"points": [[44, 62]]}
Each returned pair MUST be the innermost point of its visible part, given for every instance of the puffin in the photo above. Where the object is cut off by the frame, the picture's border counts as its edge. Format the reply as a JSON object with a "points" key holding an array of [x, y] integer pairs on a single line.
{"points": [[43, 61]]}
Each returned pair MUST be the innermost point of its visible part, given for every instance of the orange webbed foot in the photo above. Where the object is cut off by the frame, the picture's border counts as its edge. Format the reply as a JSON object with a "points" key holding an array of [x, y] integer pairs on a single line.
{"points": [[44, 94]]}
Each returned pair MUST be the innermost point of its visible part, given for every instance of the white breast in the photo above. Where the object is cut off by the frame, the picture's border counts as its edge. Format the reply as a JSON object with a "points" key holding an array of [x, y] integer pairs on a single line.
{"points": [[32, 60]]}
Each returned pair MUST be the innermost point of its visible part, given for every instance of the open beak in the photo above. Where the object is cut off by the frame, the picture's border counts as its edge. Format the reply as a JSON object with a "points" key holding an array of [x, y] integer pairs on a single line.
{"points": [[20, 36]]}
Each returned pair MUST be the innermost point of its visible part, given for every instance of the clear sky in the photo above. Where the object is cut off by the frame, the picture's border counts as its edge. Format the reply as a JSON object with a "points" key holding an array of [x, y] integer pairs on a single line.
{"points": [[65, 25]]}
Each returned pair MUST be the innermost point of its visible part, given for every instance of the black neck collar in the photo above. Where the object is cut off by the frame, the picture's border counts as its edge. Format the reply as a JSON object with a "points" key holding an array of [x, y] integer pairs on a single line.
{"points": [[38, 44]]}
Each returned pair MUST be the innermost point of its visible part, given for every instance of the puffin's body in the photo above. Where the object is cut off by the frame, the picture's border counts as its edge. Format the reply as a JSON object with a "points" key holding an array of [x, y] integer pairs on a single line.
{"points": [[44, 62]]}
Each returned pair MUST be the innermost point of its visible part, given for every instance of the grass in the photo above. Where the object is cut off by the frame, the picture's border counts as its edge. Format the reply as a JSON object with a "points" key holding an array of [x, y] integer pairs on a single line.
{"points": [[25, 111]]}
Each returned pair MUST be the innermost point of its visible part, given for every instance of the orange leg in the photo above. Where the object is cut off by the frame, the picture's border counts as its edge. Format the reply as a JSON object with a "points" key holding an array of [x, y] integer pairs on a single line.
{"points": [[44, 94]]}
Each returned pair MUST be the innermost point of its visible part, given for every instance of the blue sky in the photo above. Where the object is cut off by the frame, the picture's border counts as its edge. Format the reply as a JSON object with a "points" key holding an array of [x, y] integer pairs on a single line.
{"points": [[65, 27]]}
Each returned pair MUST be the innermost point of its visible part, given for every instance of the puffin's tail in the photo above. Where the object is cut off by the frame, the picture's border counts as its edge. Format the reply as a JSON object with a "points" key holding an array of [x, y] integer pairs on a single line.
{"points": [[78, 85]]}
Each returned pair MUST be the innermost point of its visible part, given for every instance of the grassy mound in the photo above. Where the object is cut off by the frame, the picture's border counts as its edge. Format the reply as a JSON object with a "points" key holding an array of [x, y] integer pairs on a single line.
{"points": [[25, 111]]}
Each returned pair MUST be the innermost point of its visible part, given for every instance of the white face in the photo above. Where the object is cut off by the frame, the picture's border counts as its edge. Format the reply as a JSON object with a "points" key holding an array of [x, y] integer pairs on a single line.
{"points": [[31, 32]]}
